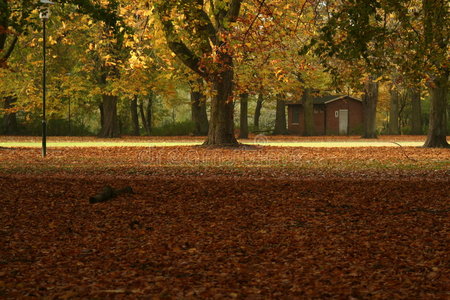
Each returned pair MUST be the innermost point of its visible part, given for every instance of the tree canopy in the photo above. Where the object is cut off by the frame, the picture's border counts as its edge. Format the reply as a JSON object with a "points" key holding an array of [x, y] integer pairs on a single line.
{"points": [[128, 49]]}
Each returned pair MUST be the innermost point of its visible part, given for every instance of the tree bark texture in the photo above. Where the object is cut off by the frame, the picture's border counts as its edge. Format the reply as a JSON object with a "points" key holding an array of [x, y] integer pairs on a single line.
{"points": [[435, 24], [102, 115], [259, 104], [280, 117], [437, 130], [134, 115], [308, 113], [110, 124], [370, 99], [221, 127], [416, 112], [198, 108], [243, 122], [394, 112], [146, 114]]}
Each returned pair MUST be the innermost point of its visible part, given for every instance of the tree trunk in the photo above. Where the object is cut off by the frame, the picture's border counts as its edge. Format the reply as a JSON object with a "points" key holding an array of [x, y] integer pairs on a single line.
{"points": [[143, 118], [308, 112], [198, 108], [221, 127], [370, 99], [280, 117], [437, 131], [394, 112], [134, 115], [9, 118], [110, 128], [436, 39], [146, 114], [102, 115], [258, 108], [416, 112], [149, 113], [243, 131]]}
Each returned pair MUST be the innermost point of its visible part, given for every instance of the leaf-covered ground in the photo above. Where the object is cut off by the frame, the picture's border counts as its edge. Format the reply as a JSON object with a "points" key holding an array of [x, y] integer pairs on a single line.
{"points": [[253, 223]]}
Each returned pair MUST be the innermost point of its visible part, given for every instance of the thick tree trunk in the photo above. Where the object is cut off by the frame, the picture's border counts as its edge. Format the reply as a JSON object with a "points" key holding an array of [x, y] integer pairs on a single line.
{"points": [[134, 115], [243, 124], [308, 112], [416, 112], [437, 131], [9, 118], [110, 124], [280, 117], [436, 39], [258, 108], [394, 113], [370, 99], [198, 108], [221, 127]]}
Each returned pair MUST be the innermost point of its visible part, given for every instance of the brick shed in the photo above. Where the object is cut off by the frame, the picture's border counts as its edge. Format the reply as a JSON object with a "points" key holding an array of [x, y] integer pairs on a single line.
{"points": [[333, 115]]}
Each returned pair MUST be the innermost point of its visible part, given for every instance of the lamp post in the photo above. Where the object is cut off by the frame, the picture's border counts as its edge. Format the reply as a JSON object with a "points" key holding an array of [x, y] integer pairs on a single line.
{"points": [[44, 14]]}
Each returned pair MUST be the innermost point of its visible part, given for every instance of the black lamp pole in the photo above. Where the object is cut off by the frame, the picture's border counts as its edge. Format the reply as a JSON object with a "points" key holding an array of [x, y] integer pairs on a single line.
{"points": [[44, 15], [44, 92]]}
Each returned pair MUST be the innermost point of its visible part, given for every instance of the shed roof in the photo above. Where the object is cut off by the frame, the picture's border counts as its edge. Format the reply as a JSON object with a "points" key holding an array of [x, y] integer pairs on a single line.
{"points": [[327, 99]]}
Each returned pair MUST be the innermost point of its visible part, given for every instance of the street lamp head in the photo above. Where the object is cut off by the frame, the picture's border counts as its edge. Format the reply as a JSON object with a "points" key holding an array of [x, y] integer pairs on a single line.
{"points": [[45, 10]]}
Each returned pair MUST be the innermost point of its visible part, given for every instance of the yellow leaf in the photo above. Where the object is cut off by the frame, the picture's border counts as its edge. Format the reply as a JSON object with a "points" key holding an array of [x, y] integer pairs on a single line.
{"points": [[379, 78]]}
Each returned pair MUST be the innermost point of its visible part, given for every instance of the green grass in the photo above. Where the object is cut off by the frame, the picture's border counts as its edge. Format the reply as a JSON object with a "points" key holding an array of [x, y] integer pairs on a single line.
{"points": [[122, 143], [59, 144]]}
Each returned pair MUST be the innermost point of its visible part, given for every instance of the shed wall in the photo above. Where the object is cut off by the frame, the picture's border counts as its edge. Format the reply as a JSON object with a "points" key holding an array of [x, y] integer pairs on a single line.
{"points": [[325, 120]]}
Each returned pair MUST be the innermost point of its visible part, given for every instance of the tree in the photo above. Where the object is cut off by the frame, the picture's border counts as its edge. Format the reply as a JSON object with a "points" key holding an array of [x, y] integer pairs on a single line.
{"points": [[11, 26], [308, 112], [18, 20], [394, 111], [370, 100], [436, 32], [243, 128], [416, 111], [145, 110], [134, 115], [420, 29], [280, 116], [198, 107], [259, 104], [207, 53], [354, 33]]}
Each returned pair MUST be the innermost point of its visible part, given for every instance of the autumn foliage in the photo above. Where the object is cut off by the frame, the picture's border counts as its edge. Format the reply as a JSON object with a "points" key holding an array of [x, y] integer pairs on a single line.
{"points": [[258, 223]]}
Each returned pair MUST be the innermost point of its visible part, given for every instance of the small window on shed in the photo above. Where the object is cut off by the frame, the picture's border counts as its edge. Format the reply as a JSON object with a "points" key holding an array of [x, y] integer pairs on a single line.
{"points": [[295, 114]]}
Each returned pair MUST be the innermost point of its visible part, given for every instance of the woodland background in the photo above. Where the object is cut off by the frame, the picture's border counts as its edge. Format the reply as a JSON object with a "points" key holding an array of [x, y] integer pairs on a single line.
{"points": [[116, 67]]}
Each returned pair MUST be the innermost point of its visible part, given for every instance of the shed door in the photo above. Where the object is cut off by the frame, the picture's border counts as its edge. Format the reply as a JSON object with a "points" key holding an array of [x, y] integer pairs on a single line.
{"points": [[343, 121]]}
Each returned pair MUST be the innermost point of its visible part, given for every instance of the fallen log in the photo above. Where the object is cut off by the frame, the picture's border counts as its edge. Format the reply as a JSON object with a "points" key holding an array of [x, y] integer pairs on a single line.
{"points": [[108, 193]]}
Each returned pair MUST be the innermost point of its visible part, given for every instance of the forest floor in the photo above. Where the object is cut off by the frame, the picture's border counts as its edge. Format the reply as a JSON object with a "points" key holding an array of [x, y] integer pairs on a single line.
{"points": [[254, 222]]}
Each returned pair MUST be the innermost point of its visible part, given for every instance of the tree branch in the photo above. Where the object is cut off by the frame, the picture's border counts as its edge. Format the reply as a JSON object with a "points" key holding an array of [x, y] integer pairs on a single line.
{"points": [[233, 11], [204, 29], [8, 52], [174, 42]]}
